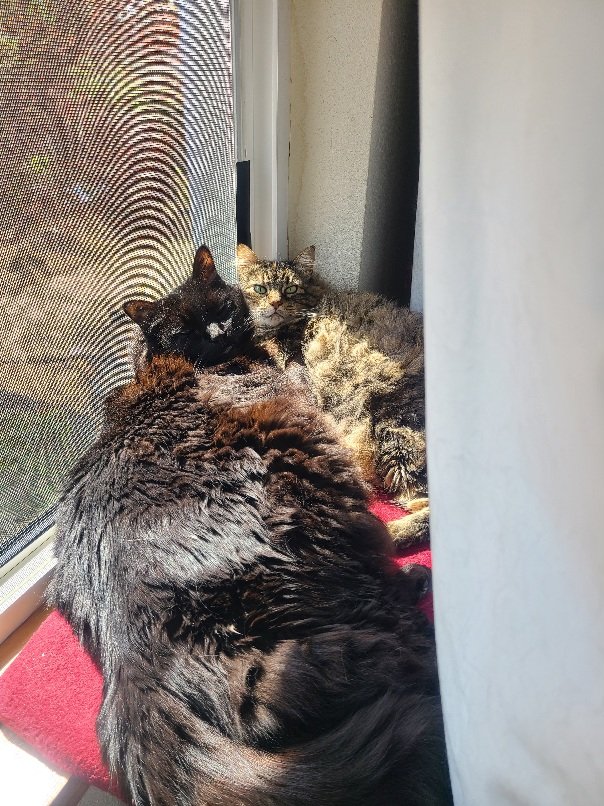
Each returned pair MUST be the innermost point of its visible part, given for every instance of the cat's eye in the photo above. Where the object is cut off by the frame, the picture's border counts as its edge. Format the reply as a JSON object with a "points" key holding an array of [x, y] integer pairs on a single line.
{"points": [[260, 289], [291, 289]]}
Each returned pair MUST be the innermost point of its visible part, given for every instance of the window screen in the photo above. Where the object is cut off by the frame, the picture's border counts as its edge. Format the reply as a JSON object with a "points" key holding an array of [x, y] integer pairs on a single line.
{"points": [[116, 160]]}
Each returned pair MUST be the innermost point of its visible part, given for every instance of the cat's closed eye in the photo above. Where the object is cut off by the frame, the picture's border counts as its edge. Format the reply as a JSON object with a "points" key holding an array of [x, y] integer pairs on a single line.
{"points": [[179, 332]]}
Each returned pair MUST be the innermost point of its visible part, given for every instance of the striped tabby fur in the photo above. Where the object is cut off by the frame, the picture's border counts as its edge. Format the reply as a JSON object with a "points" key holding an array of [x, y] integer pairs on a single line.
{"points": [[365, 358]]}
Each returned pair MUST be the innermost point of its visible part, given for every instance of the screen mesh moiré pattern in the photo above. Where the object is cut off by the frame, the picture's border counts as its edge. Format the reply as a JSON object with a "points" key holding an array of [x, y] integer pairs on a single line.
{"points": [[116, 160]]}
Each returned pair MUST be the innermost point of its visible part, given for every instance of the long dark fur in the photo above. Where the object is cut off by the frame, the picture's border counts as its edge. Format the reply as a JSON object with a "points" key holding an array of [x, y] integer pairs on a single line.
{"points": [[216, 557]]}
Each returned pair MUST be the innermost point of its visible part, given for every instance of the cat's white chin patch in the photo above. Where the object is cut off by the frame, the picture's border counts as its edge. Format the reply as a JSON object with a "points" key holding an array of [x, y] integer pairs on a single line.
{"points": [[215, 329]]}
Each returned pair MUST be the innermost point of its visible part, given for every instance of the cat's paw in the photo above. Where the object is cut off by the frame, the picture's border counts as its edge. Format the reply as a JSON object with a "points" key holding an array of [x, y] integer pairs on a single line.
{"points": [[418, 578], [413, 504], [411, 529]]}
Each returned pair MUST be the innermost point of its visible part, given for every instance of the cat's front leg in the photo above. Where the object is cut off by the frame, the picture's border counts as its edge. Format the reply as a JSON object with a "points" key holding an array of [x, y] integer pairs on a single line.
{"points": [[413, 528]]}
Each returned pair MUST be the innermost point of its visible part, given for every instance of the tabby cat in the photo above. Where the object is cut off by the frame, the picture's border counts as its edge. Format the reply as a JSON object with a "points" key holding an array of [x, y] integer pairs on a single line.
{"points": [[280, 295], [216, 557], [365, 358]]}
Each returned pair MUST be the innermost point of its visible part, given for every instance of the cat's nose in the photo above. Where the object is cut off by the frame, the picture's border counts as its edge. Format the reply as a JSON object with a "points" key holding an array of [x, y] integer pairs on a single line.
{"points": [[276, 303]]}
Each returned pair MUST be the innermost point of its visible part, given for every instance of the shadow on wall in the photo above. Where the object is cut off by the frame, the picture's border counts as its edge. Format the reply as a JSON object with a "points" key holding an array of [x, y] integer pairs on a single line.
{"points": [[393, 171]]}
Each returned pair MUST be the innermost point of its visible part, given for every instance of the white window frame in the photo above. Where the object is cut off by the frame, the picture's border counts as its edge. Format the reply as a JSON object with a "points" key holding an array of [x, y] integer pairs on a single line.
{"points": [[23, 582], [261, 75]]}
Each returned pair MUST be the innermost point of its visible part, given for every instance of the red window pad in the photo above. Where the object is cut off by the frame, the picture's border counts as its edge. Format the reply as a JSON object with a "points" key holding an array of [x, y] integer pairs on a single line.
{"points": [[51, 694]]}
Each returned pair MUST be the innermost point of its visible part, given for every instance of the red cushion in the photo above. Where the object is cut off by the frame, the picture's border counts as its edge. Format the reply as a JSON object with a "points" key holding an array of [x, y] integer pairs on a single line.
{"points": [[51, 694]]}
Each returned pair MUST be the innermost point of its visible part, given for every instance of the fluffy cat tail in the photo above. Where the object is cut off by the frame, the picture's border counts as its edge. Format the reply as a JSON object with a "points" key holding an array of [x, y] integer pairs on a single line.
{"points": [[389, 753]]}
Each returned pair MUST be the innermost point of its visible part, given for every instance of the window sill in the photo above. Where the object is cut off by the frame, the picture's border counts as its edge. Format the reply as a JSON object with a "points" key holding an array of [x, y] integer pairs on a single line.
{"points": [[26, 778], [23, 583]]}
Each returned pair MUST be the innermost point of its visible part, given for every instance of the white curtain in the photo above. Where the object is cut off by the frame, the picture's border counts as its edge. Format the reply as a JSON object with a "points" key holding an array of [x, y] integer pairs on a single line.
{"points": [[512, 97]]}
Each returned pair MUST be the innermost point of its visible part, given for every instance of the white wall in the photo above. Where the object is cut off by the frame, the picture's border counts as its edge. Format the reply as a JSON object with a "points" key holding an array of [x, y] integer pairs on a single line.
{"points": [[334, 52], [513, 202], [354, 139]]}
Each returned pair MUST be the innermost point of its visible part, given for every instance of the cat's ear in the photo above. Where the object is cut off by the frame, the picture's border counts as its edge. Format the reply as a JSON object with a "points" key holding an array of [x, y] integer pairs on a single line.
{"points": [[203, 265], [246, 258], [305, 261], [138, 310]]}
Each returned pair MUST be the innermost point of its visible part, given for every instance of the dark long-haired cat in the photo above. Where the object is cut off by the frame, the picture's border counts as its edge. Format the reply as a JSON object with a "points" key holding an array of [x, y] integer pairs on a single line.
{"points": [[216, 557], [365, 358]]}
